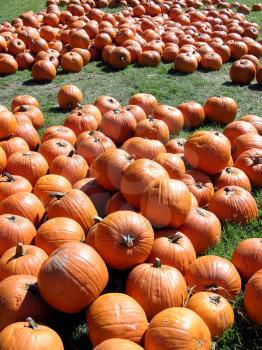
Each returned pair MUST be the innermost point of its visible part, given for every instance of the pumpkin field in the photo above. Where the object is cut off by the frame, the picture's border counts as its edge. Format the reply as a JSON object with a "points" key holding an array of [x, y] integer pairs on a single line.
{"points": [[130, 175]]}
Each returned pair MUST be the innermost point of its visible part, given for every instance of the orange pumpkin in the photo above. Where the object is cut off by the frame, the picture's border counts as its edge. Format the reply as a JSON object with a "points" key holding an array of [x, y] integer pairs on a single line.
{"points": [[231, 176], [220, 109], [253, 298], [193, 114], [118, 343], [13, 184], [250, 162], [69, 96], [154, 129], [140, 147], [172, 163], [52, 148]]}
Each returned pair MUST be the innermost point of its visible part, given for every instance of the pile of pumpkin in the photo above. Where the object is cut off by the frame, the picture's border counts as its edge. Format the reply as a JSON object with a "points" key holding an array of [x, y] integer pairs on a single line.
{"points": [[110, 190], [173, 31]]}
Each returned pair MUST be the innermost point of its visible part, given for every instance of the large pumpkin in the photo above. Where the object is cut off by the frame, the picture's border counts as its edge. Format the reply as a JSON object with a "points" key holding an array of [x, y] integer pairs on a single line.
{"points": [[233, 203], [119, 344], [238, 128], [193, 114], [153, 129], [11, 184], [52, 148], [166, 202], [137, 176], [215, 310], [156, 287], [7, 124], [231, 176], [253, 298], [140, 147], [20, 297], [220, 109], [173, 164], [208, 151], [250, 162], [146, 101], [124, 239], [15, 144], [32, 334], [177, 328], [215, 274], [53, 233], [75, 269], [116, 315]]}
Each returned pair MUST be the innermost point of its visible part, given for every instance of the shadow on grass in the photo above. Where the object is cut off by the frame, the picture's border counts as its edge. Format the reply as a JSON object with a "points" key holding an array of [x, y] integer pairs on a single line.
{"points": [[56, 109], [33, 82], [229, 83], [255, 87], [172, 71]]}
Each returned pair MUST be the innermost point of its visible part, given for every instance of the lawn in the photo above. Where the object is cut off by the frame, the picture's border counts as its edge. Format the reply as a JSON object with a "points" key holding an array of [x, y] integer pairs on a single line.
{"points": [[171, 88]]}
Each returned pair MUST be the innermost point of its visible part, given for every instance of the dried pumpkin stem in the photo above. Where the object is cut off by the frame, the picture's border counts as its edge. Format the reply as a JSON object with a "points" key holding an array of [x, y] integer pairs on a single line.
{"points": [[32, 323], [127, 240], [57, 195], [71, 153], [174, 238], [12, 218], [157, 263], [20, 251], [9, 177]]}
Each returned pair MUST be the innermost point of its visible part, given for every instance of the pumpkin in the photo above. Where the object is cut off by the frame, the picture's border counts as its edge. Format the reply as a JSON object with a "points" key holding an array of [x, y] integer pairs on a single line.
{"points": [[52, 148], [233, 203], [242, 72], [24, 204], [8, 64], [59, 280], [238, 128], [119, 125], [173, 248], [3, 160], [11, 184], [147, 102], [32, 334], [172, 163], [80, 121], [48, 184], [72, 62], [7, 124], [248, 250], [24, 100], [254, 120], [117, 203], [73, 204], [220, 109], [137, 176], [108, 167], [244, 143], [154, 129], [250, 162], [69, 96], [253, 298], [116, 315], [170, 52], [137, 112], [106, 103], [15, 229], [214, 274], [21, 260], [231, 176], [238, 49], [208, 151], [259, 75], [186, 62], [32, 112], [165, 202], [171, 116], [30, 165], [101, 40], [193, 114], [177, 328], [119, 58], [215, 311], [117, 343], [89, 109], [72, 166], [200, 185], [95, 192], [149, 58], [27, 132], [167, 287], [124, 239], [59, 132], [252, 59], [143, 148], [15, 144], [203, 229], [211, 61], [19, 298], [43, 70], [175, 146], [79, 38]]}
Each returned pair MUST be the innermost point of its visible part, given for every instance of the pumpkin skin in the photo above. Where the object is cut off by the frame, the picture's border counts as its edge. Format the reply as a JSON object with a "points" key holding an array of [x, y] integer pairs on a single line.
{"points": [[73, 204], [208, 151], [15, 144], [220, 109], [156, 287], [244, 143], [19, 298], [24, 100], [69, 96], [117, 203], [153, 129], [43, 70], [238, 128], [137, 176], [166, 202], [174, 249], [72, 166], [27, 132], [24, 204], [147, 102], [231, 176], [80, 121], [248, 250], [32, 334], [143, 148], [175, 146], [106, 103], [11, 184], [253, 298], [21, 260], [215, 310], [171, 116], [53, 148], [116, 315], [193, 114], [172, 163], [32, 112], [254, 120], [59, 281], [30, 165], [250, 162], [15, 229], [233, 203], [124, 239], [215, 274], [3, 160], [203, 229], [59, 132], [55, 232], [177, 328], [7, 124], [119, 344], [108, 167]]}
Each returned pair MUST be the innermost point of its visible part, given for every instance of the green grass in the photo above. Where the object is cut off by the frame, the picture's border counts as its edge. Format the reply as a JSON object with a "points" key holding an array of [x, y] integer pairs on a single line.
{"points": [[171, 88]]}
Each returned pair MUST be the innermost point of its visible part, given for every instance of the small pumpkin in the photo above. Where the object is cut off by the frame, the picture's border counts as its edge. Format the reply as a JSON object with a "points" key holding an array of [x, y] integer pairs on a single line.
{"points": [[32, 112], [52, 148], [143, 148], [220, 109], [242, 72], [59, 132], [231, 176], [193, 114], [15, 144], [253, 297], [172, 163], [254, 120], [106, 103], [72, 62], [250, 162], [43, 70], [7, 124], [80, 121], [154, 129], [238, 128], [24, 100], [27, 132], [176, 146], [117, 203], [171, 116], [147, 102], [69, 96]]}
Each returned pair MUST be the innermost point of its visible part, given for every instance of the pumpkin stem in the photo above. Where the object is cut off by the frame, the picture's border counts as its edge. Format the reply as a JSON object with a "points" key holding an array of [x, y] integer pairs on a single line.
{"points": [[97, 219], [23, 108], [227, 190], [27, 154], [157, 263], [32, 288], [19, 250], [200, 212], [257, 160], [215, 300], [174, 238], [92, 132], [199, 185], [217, 133], [131, 157], [32, 323], [71, 153], [9, 177], [79, 106], [229, 170], [127, 240], [150, 118], [12, 218], [60, 144], [57, 195]]}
